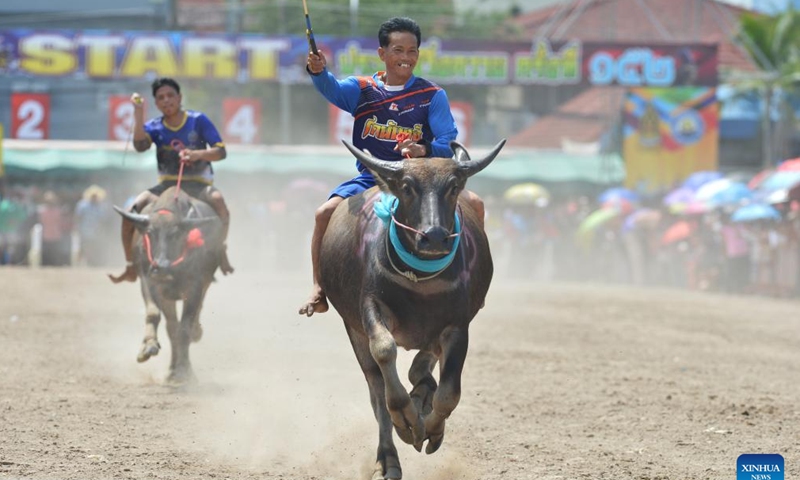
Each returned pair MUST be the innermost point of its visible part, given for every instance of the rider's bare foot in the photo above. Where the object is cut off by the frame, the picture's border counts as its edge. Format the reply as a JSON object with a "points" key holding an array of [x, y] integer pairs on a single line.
{"points": [[225, 264], [129, 275], [317, 303]]}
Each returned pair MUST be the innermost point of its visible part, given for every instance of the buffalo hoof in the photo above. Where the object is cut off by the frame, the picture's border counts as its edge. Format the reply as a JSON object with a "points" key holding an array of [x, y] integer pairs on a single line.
{"points": [[434, 428], [434, 442], [408, 424], [317, 303], [179, 378], [150, 348], [392, 472], [197, 332]]}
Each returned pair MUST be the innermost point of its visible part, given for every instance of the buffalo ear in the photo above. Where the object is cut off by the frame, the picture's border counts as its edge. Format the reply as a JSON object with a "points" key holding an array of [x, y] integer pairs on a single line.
{"points": [[469, 166], [141, 222]]}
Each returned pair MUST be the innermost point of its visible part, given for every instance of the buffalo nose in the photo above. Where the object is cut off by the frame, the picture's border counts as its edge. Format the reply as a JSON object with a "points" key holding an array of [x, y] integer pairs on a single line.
{"points": [[435, 238]]}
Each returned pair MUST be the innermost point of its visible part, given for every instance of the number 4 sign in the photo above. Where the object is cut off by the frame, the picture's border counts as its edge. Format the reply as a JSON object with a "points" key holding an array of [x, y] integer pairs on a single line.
{"points": [[242, 120], [30, 116]]}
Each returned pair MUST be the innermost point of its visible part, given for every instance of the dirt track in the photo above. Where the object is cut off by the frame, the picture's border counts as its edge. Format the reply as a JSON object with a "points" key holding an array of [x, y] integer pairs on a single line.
{"points": [[561, 382]]}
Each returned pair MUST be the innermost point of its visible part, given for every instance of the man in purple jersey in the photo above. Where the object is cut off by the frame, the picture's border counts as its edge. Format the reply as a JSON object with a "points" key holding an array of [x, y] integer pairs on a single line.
{"points": [[180, 136], [384, 105]]}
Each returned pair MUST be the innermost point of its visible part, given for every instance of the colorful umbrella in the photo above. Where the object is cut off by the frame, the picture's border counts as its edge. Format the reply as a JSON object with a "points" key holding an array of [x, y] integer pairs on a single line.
{"points": [[642, 218], [789, 165], [677, 232], [778, 180], [695, 207], [618, 193], [736, 192], [698, 179], [708, 190], [527, 194], [681, 195], [754, 212], [592, 222]]}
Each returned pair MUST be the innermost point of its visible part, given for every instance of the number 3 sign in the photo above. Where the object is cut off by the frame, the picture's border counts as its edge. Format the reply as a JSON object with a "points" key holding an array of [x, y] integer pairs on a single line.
{"points": [[30, 116]]}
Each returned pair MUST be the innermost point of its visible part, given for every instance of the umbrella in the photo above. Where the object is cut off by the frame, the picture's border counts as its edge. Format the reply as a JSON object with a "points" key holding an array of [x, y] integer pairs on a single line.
{"points": [[678, 231], [618, 193], [759, 178], [642, 218], [94, 190], [622, 205], [736, 192], [695, 207], [527, 194], [681, 195], [708, 190], [754, 212], [778, 180], [592, 222], [698, 179], [596, 219], [789, 165]]}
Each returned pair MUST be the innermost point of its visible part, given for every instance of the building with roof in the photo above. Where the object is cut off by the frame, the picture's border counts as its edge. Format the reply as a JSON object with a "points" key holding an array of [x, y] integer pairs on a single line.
{"points": [[592, 115]]}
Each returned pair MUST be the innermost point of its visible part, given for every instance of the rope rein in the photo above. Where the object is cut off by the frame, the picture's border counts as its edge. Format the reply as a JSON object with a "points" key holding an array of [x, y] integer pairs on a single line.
{"points": [[385, 209]]}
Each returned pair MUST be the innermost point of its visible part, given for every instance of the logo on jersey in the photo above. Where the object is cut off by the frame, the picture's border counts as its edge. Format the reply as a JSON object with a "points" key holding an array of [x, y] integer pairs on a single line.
{"points": [[388, 132], [393, 107]]}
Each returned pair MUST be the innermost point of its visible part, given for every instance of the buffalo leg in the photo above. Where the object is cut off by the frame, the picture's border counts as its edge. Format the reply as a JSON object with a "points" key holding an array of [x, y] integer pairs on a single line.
{"points": [[150, 346], [454, 343], [405, 417], [387, 465], [180, 370], [423, 382]]}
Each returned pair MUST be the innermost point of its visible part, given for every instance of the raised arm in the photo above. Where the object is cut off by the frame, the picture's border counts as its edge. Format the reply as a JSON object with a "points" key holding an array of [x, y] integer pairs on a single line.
{"points": [[141, 140]]}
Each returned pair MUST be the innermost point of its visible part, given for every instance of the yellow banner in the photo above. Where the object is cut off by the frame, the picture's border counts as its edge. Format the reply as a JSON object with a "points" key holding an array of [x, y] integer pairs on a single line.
{"points": [[669, 133]]}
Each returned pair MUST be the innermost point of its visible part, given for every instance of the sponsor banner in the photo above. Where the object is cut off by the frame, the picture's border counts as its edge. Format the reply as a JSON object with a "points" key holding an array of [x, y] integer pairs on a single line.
{"points": [[245, 58], [669, 133], [30, 116]]}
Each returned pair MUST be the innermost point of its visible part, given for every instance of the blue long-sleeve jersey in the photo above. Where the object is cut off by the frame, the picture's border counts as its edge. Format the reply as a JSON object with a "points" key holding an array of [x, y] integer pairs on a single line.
{"points": [[420, 108]]}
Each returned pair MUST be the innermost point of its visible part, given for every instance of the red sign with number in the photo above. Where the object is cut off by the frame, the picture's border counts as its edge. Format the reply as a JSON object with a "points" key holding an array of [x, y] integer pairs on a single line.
{"points": [[242, 120], [340, 125], [462, 113], [30, 116], [120, 117]]}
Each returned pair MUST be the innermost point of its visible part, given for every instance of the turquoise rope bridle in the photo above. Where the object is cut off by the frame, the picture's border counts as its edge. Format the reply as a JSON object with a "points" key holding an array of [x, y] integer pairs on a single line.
{"points": [[385, 208]]}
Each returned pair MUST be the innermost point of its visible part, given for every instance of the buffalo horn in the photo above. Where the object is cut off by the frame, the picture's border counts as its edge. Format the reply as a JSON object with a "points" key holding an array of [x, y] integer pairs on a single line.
{"points": [[141, 221], [474, 166], [384, 168]]}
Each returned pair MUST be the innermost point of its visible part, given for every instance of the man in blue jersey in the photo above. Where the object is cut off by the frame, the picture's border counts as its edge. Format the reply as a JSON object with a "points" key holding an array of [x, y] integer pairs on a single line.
{"points": [[180, 136], [384, 105]]}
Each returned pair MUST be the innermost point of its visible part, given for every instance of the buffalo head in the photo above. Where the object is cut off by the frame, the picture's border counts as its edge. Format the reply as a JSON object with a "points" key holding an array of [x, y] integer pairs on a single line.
{"points": [[167, 235], [427, 191]]}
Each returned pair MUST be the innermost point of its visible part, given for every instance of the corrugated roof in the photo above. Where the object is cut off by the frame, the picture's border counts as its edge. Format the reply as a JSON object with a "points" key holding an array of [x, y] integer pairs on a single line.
{"points": [[659, 21], [582, 119]]}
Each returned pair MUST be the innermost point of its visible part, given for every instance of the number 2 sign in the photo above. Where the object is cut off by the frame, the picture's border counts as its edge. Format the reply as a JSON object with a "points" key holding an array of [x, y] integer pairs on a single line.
{"points": [[30, 116]]}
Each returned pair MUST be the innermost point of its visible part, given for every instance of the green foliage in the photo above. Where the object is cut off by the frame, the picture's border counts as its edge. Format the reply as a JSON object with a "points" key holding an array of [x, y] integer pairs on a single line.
{"points": [[774, 43], [334, 17]]}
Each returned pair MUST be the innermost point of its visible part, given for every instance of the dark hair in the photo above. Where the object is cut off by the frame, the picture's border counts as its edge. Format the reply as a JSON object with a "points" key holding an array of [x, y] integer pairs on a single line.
{"points": [[165, 82], [398, 24]]}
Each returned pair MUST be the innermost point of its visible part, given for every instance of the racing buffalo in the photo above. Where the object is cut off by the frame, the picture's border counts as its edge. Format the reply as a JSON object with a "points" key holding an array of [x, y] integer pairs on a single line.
{"points": [[407, 264], [177, 248]]}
